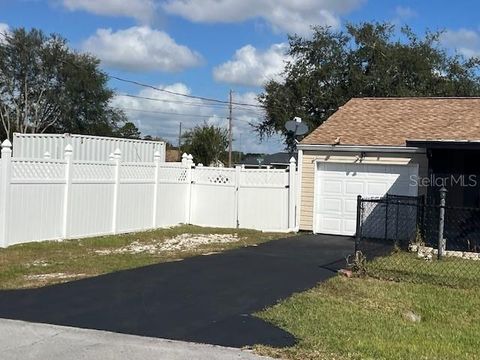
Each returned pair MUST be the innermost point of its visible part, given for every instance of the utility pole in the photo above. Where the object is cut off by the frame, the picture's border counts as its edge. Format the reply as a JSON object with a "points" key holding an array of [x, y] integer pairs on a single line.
{"points": [[230, 132], [180, 136]]}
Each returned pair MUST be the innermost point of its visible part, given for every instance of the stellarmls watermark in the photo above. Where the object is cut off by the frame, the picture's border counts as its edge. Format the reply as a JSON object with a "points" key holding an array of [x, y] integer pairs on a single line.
{"points": [[444, 181]]}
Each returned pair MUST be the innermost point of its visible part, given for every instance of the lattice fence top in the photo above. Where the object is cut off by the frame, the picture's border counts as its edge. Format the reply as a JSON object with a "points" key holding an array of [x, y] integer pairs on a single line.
{"points": [[264, 178], [84, 170], [137, 171], [174, 173], [208, 175], [38, 169]]}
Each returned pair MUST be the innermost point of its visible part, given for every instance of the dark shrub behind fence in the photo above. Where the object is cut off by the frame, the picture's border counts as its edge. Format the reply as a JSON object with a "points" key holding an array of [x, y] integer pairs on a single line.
{"points": [[408, 229]]}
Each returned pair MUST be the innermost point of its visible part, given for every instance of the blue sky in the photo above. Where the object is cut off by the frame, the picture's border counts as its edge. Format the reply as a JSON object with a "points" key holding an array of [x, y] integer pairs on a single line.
{"points": [[207, 47]]}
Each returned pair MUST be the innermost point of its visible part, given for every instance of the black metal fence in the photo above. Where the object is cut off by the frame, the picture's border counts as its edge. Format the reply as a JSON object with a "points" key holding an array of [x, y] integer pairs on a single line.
{"points": [[410, 231]]}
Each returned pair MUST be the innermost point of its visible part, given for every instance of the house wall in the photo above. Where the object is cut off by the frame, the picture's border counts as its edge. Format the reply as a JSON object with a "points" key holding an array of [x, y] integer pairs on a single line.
{"points": [[308, 170]]}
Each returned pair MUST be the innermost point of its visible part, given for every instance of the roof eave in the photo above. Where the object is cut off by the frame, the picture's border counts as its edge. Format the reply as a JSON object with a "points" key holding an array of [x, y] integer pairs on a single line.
{"points": [[362, 148]]}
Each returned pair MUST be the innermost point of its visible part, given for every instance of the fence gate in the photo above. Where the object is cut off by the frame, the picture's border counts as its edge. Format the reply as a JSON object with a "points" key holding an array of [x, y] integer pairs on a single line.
{"points": [[243, 198]]}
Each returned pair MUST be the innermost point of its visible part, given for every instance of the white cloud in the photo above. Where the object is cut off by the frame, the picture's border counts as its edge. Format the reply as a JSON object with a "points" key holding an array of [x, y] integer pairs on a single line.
{"points": [[140, 49], [283, 15], [466, 42], [252, 67], [405, 12], [142, 10], [156, 117], [4, 30]]}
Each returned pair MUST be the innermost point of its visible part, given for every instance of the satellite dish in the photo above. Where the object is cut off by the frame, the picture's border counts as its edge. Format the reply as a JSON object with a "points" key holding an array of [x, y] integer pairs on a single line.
{"points": [[296, 127]]}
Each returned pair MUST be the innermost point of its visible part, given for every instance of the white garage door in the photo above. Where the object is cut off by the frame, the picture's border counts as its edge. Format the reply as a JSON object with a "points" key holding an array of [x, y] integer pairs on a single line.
{"points": [[337, 186]]}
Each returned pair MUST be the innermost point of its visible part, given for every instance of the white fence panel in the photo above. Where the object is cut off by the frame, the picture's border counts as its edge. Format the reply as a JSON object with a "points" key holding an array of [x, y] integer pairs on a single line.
{"points": [[85, 147], [135, 197], [36, 199], [263, 199], [90, 206], [213, 197], [172, 195]]}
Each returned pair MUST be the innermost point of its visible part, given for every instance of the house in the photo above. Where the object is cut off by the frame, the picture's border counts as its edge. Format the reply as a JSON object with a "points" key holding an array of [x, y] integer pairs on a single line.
{"points": [[280, 160], [401, 146]]}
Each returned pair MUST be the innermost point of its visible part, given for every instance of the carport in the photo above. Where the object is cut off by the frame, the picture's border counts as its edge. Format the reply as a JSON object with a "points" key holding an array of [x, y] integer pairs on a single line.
{"points": [[455, 166]]}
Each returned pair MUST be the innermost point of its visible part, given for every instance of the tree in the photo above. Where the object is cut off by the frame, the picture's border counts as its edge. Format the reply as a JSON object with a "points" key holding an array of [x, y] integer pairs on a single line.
{"points": [[364, 60], [129, 131], [46, 87], [207, 144]]}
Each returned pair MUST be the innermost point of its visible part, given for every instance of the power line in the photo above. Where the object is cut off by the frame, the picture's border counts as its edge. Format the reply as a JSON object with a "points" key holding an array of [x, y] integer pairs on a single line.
{"points": [[180, 94], [258, 112], [171, 113], [219, 106], [213, 116]]}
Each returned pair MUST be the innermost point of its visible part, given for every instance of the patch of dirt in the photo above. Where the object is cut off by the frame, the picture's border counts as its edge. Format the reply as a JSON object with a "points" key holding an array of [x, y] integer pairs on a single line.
{"points": [[50, 276], [178, 243], [40, 263]]}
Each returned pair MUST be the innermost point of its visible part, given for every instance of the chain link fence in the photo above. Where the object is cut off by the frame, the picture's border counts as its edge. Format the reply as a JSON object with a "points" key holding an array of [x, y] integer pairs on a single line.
{"points": [[404, 239]]}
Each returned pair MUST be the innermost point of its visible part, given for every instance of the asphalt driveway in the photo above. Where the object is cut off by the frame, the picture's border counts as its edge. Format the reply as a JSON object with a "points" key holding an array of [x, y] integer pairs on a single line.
{"points": [[206, 299]]}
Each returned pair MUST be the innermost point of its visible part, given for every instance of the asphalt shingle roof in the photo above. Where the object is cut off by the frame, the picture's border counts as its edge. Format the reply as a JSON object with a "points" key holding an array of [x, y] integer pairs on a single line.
{"points": [[392, 121]]}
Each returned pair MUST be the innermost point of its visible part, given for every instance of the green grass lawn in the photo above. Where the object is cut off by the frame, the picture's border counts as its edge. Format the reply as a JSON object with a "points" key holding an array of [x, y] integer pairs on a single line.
{"points": [[363, 318], [44, 263]]}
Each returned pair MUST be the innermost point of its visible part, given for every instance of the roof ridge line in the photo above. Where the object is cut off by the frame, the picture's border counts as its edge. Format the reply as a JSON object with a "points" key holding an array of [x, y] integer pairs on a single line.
{"points": [[419, 98]]}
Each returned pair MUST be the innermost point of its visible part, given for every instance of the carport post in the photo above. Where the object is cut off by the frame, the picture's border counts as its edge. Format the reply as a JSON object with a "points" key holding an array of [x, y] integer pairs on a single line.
{"points": [[441, 224]]}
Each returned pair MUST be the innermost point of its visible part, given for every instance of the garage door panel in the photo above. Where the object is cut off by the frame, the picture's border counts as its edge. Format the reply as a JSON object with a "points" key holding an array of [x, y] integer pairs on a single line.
{"points": [[338, 185], [354, 187], [332, 186], [331, 225], [349, 226], [350, 206], [332, 205]]}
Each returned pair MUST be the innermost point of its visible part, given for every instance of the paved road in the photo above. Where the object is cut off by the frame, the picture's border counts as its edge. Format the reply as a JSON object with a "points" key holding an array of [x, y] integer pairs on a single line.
{"points": [[205, 299], [22, 340]]}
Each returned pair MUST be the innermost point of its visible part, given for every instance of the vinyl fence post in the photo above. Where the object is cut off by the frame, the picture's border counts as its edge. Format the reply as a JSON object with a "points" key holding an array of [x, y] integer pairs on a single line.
{"points": [[68, 186], [291, 194], [117, 155], [6, 168], [238, 170], [441, 224], [187, 160], [358, 231], [156, 159]]}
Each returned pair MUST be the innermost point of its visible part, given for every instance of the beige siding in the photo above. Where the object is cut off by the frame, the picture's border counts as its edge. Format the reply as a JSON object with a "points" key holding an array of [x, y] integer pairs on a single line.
{"points": [[308, 171]]}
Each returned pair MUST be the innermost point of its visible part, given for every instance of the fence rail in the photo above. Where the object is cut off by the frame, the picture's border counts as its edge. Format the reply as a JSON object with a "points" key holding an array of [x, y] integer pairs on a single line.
{"points": [[43, 199]]}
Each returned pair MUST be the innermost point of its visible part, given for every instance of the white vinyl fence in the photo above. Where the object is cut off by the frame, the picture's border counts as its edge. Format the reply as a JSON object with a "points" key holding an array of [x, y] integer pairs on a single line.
{"points": [[44, 199]]}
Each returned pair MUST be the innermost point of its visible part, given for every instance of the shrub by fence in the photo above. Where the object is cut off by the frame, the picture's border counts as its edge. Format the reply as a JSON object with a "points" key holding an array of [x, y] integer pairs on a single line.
{"points": [[44, 199], [410, 232]]}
